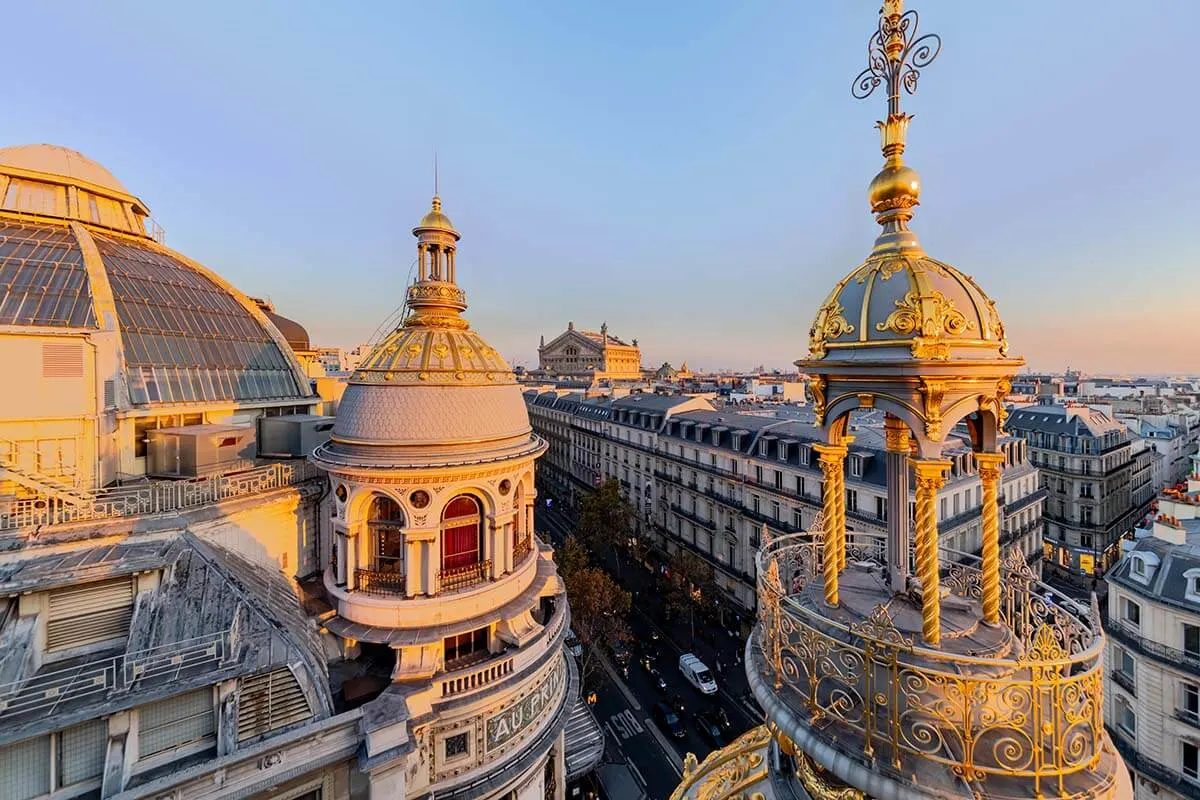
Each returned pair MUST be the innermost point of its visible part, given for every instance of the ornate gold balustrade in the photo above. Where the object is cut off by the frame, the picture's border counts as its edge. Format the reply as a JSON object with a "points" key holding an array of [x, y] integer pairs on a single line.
{"points": [[523, 548], [1034, 714], [452, 580], [376, 582]]}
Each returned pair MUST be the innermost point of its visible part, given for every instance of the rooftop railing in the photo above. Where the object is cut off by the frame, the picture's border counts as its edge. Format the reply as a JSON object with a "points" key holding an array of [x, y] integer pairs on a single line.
{"points": [[155, 497], [50, 691], [872, 689]]}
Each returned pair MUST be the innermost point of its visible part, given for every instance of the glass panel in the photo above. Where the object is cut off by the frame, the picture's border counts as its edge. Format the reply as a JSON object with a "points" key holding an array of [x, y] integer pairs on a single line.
{"points": [[42, 277]]}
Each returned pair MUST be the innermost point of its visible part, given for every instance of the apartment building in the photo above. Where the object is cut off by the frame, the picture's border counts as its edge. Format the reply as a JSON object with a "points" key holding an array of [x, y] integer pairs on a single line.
{"points": [[710, 481], [1087, 466], [1152, 675]]}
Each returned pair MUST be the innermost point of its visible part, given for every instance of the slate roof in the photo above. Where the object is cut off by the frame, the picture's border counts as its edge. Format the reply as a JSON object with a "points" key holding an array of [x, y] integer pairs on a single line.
{"points": [[1167, 584]]}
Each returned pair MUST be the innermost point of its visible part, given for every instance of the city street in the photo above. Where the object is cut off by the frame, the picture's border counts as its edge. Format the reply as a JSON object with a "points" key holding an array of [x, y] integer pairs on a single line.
{"points": [[625, 705]]}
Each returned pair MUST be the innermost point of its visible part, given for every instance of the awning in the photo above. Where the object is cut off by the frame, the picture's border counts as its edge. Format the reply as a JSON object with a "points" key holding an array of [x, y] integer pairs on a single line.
{"points": [[584, 740]]}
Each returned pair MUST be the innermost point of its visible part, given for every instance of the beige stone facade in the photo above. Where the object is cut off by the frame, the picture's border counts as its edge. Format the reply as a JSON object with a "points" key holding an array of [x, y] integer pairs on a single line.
{"points": [[594, 355]]}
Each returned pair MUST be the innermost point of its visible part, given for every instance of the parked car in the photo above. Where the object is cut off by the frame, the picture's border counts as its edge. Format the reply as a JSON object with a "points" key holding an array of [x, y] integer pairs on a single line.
{"points": [[668, 720], [710, 729], [658, 680], [574, 646], [697, 674]]}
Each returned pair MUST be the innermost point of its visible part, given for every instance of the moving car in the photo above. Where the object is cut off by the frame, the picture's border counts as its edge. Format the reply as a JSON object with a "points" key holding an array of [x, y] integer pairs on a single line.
{"points": [[668, 720], [696, 673], [658, 680], [710, 729]]}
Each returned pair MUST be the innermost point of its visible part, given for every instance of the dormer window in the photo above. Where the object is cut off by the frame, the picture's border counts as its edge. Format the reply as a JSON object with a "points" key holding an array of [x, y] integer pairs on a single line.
{"points": [[1192, 585], [783, 451], [805, 454], [1142, 566], [763, 447], [856, 466]]}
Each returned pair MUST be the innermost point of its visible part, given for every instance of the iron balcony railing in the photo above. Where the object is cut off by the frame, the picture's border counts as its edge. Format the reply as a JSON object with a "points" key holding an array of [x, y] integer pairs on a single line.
{"points": [[377, 582], [1159, 773], [523, 548], [1180, 659], [156, 497], [452, 580], [50, 691]]}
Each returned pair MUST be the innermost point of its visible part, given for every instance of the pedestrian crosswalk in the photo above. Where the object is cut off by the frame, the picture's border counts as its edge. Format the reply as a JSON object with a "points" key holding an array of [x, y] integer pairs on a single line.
{"points": [[624, 725]]}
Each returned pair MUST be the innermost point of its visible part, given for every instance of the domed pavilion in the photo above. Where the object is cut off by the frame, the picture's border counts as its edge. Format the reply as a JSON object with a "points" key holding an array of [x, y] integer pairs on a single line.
{"points": [[890, 666]]}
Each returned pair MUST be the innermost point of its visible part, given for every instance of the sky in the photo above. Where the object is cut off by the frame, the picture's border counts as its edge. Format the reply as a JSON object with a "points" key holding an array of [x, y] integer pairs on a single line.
{"points": [[694, 174]]}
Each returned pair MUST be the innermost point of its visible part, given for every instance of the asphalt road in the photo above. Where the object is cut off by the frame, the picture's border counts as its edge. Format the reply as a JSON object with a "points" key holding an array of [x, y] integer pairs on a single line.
{"points": [[625, 703]]}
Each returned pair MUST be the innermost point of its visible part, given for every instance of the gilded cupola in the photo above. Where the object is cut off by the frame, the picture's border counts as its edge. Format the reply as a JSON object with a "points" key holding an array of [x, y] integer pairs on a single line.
{"points": [[432, 385]]}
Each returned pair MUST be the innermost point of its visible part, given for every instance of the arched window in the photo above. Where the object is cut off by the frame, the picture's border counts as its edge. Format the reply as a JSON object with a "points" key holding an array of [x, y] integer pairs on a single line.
{"points": [[385, 522], [462, 533]]}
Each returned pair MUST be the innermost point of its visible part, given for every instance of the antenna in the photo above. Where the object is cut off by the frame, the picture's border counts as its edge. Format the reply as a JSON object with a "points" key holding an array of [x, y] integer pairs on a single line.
{"points": [[435, 172]]}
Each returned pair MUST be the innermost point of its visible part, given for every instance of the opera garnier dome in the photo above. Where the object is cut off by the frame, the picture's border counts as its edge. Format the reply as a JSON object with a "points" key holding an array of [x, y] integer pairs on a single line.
{"points": [[890, 666], [436, 571]]}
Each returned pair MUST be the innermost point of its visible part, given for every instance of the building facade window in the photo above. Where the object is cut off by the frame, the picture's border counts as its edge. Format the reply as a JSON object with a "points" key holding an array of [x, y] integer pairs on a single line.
{"points": [[1191, 764], [1126, 719], [385, 522], [462, 533], [185, 719], [1189, 702], [1131, 612], [457, 745], [465, 645], [1191, 640]]}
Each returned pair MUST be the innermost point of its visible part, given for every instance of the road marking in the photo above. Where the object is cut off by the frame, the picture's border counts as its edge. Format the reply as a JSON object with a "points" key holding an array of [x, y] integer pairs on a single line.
{"points": [[637, 773], [626, 724]]}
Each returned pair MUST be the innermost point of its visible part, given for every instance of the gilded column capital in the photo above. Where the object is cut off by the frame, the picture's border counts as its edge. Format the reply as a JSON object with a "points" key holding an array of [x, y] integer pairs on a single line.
{"points": [[930, 473], [830, 453], [897, 435], [989, 465]]}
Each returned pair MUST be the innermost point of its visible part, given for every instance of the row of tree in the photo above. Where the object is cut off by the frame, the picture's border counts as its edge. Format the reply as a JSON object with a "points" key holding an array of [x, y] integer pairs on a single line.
{"points": [[599, 606]]}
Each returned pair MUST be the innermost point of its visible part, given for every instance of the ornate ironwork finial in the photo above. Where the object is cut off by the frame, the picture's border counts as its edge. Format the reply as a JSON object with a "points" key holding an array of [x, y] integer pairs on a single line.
{"points": [[895, 57]]}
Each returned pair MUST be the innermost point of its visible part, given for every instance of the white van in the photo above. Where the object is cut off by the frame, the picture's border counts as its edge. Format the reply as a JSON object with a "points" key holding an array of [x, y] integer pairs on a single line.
{"points": [[697, 674]]}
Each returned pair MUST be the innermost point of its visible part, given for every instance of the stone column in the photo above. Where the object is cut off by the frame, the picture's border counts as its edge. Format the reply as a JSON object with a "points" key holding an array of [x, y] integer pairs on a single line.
{"points": [[489, 546], [931, 475], [506, 546], [353, 537], [227, 713], [413, 576], [558, 752], [898, 541], [989, 476], [433, 564], [832, 460], [340, 548]]}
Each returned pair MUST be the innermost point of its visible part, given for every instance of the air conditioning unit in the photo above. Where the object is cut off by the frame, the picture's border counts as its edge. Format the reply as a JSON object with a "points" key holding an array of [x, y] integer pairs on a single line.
{"points": [[200, 451], [292, 435]]}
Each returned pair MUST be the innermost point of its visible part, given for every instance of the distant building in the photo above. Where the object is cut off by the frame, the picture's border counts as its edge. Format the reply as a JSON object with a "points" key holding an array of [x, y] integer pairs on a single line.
{"points": [[1152, 675], [709, 481], [1087, 465], [333, 359], [595, 355]]}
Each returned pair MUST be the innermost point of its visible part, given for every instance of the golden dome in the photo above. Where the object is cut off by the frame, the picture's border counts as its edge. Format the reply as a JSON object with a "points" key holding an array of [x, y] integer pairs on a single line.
{"points": [[432, 387], [435, 220], [60, 162], [902, 304]]}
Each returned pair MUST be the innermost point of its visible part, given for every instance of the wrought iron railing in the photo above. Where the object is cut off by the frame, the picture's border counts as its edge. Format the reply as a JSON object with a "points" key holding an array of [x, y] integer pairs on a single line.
{"points": [[452, 580], [156, 497], [1180, 659], [523, 548], [49, 691], [1156, 772], [370, 581], [1037, 716]]}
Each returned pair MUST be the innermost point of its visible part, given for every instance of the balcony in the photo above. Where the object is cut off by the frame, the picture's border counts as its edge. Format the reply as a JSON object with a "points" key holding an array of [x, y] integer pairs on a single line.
{"points": [[1156, 772], [860, 680], [459, 578], [1125, 681], [1179, 659], [379, 583], [523, 548], [1188, 717]]}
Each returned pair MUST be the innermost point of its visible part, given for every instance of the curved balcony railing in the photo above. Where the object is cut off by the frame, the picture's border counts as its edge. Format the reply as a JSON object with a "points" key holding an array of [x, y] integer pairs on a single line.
{"points": [[869, 688], [523, 548], [376, 582], [457, 578]]}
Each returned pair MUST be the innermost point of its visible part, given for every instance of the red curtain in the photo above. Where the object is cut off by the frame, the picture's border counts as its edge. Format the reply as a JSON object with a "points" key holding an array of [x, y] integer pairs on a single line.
{"points": [[460, 544]]}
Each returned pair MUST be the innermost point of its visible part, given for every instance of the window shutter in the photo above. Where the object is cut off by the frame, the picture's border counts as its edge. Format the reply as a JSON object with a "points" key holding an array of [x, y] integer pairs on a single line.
{"points": [[89, 613], [110, 393], [176, 721], [269, 701], [62, 360], [25, 768], [81, 752]]}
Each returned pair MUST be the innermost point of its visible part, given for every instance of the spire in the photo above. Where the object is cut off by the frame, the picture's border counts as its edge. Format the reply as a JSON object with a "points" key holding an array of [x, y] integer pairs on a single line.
{"points": [[895, 57]]}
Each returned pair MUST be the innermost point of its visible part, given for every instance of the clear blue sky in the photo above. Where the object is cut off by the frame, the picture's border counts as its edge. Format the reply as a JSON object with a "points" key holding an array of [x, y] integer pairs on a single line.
{"points": [[693, 173]]}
